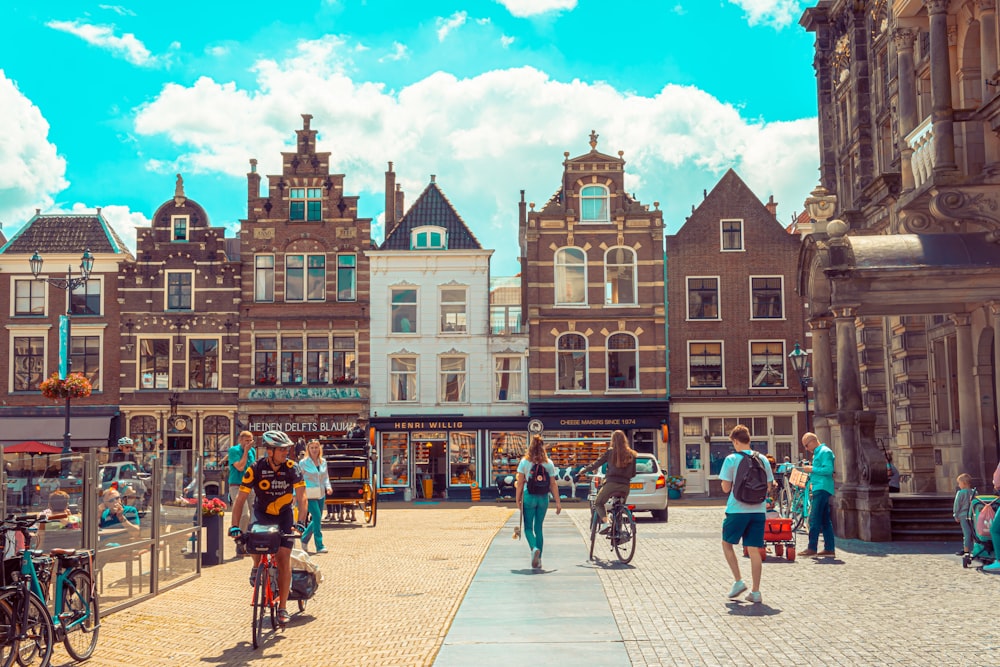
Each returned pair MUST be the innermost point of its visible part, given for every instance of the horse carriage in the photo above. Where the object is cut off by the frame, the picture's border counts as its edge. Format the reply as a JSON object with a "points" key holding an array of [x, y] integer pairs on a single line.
{"points": [[352, 469]]}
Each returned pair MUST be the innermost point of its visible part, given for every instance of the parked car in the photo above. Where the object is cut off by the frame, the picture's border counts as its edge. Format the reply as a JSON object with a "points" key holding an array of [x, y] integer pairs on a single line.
{"points": [[648, 491], [132, 483]]}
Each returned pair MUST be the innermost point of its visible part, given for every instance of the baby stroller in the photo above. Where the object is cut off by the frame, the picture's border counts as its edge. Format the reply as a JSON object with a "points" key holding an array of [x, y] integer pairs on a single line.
{"points": [[981, 511], [505, 486]]}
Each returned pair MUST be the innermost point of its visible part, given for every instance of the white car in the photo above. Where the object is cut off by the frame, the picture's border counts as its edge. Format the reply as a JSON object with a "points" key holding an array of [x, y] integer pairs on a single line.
{"points": [[648, 492], [132, 483]]}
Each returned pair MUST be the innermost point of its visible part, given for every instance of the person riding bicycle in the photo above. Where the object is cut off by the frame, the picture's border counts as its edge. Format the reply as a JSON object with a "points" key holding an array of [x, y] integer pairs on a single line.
{"points": [[277, 484], [621, 469]]}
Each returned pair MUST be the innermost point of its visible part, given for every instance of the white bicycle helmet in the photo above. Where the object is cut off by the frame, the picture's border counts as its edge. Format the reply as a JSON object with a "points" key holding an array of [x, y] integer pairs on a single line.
{"points": [[125, 442], [277, 439]]}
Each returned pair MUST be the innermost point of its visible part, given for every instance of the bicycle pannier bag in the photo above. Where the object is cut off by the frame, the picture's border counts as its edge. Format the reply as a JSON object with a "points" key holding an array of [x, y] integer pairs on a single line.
{"points": [[538, 480], [263, 539], [750, 485]]}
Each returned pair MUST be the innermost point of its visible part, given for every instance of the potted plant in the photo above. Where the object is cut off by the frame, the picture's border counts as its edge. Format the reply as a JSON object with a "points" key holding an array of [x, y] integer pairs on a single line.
{"points": [[212, 512], [675, 486]]}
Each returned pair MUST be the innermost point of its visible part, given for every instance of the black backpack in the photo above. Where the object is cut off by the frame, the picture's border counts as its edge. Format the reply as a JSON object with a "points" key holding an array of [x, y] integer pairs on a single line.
{"points": [[750, 485], [538, 480]]}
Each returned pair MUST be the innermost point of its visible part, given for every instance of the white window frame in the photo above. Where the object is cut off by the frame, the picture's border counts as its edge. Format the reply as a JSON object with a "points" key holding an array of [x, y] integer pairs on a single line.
{"points": [[607, 283], [605, 196], [607, 362], [14, 331], [393, 375], [722, 364], [718, 298], [308, 194], [306, 298], [781, 298], [462, 378], [586, 364], [560, 269], [35, 285], [465, 309], [86, 289], [166, 291], [425, 233], [781, 357], [259, 273], [722, 235], [138, 363], [515, 378], [415, 329], [93, 330], [174, 221]]}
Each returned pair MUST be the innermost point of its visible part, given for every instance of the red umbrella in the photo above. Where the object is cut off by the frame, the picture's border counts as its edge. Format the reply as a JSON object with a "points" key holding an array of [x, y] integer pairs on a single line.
{"points": [[32, 447]]}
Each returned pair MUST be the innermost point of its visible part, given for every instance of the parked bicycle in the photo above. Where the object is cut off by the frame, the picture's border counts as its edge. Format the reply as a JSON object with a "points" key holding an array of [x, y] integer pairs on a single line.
{"points": [[621, 533], [793, 499], [27, 630], [265, 540]]}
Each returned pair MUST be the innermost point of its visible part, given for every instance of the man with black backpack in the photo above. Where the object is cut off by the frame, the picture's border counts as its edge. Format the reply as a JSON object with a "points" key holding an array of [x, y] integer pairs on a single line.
{"points": [[746, 476]]}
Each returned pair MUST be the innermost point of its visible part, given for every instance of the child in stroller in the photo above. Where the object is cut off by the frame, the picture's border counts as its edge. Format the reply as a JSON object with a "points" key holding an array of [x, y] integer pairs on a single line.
{"points": [[982, 510]]}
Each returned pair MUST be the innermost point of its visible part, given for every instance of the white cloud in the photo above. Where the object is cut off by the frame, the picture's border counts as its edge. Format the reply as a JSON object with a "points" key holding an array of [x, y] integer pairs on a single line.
{"points": [[446, 25], [525, 8], [399, 51], [217, 51], [778, 13], [118, 9], [31, 171], [506, 41], [127, 45], [486, 137]]}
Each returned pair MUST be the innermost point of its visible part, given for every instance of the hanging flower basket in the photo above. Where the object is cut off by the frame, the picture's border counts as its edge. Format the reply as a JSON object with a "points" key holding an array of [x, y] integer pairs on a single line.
{"points": [[75, 386]]}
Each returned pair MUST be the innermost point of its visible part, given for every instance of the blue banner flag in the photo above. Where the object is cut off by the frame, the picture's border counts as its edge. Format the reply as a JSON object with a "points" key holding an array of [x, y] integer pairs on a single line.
{"points": [[63, 346]]}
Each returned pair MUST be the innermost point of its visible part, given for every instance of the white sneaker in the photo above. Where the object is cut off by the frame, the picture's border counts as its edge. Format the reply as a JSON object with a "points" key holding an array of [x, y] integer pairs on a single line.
{"points": [[754, 596], [738, 587]]}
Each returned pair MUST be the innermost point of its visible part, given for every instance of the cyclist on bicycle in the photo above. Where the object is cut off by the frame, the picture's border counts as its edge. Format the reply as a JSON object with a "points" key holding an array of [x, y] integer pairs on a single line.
{"points": [[621, 469], [278, 484]]}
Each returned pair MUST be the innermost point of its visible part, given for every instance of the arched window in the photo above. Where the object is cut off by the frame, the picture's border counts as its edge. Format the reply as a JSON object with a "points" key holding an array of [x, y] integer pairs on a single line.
{"points": [[571, 276], [623, 361], [594, 203], [429, 238], [619, 276], [572, 363]]}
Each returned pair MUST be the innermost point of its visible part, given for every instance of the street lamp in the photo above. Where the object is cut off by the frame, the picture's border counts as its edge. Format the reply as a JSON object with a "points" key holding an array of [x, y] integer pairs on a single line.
{"points": [[800, 364], [68, 285]]}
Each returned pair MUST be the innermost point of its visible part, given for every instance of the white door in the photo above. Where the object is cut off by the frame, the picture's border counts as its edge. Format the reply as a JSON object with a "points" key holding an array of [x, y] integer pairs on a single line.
{"points": [[694, 467]]}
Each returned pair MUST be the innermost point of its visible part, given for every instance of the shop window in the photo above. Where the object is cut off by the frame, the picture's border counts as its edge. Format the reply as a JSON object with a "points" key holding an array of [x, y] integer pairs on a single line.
{"points": [[291, 360], [203, 360], [506, 450], [462, 457], [395, 459], [404, 310], [154, 363], [453, 310], [453, 380], [263, 279], [403, 379], [623, 361], [732, 234], [572, 370], [783, 452], [265, 360], [507, 378], [703, 298], [766, 295], [347, 270], [29, 362], [85, 357], [594, 203], [767, 363], [29, 297], [86, 298], [619, 276], [570, 277], [717, 453], [705, 365]]}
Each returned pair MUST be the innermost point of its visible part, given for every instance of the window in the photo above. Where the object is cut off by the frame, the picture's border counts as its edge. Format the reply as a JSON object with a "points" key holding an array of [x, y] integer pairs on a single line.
{"points": [[29, 297], [317, 360], [203, 357], [462, 457], [394, 460], [305, 277], [346, 274], [766, 294], [703, 298], [732, 234], [505, 320], [86, 299], [144, 429], [453, 388], [570, 276], [403, 379], [263, 280], [619, 276], [179, 290], [154, 363], [572, 370], [85, 357], [507, 374], [344, 360], [29, 362], [218, 437], [429, 238], [265, 360], [623, 361], [404, 310], [291, 360], [179, 228], [705, 365], [305, 204], [453, 310], [767, 363], [594, 203]]}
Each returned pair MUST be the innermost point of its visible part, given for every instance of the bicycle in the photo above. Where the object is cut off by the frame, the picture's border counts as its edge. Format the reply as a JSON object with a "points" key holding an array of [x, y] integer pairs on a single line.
{"points": [[26, 627], [264, 540], [793, 500], [621, 533]]}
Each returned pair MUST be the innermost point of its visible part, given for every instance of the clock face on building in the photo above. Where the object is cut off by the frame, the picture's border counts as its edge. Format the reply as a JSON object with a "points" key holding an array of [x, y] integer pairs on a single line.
{"points": [[180, 423]]}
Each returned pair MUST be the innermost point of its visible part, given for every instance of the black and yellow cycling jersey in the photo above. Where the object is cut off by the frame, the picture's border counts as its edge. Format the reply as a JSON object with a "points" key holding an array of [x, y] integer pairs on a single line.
{"points": [[274, 489]]}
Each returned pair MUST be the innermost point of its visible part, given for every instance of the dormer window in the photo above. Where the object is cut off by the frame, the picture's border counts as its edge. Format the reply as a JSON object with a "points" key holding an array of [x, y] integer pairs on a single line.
{"points": [[179, 228], [594, 204], [305, 204], [429, 238]]}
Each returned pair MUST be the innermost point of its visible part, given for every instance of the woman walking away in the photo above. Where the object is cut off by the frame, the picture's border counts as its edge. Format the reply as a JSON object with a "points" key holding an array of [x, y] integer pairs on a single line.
{"points": [[314, 471], [621, 469], [536, 479]]}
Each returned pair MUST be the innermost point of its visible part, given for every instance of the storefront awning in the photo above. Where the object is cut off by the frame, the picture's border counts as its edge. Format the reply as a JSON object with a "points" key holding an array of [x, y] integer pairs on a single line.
{"points": [[86, 431]]}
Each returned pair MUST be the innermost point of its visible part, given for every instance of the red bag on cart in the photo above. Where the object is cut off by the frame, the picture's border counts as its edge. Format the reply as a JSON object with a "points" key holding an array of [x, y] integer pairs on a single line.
{"points": [[778, 530]]}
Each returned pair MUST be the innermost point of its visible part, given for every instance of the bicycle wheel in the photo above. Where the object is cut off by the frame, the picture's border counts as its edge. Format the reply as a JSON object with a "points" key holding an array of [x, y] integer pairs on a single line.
{"points": [[8, 633], [797, 511], [784, 503], [79, 615], [259, 602], [623, 534], [32, 640]]}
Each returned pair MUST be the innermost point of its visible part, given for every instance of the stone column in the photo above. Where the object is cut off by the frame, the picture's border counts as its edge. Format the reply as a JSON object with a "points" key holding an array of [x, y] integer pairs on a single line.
{"points": [[825, 394], [941, 104], [849, 405], [968, 413], [995, 313], [903, 38], [988, 65]]}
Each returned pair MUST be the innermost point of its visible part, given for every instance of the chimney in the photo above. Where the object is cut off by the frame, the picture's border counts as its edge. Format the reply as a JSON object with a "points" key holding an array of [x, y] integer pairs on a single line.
{"points": [[399, 203], [522, 212], [772, 206], [390, 201], [253, 182]]}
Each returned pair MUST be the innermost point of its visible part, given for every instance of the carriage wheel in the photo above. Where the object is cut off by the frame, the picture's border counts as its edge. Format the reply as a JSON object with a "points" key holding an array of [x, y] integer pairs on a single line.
{"points": [[790, 554], [779, 550], [368, 502]]}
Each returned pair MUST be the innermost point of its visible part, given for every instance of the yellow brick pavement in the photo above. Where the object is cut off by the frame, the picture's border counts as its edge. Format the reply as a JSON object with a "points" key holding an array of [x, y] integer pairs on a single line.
{"points": [[388, 598]]}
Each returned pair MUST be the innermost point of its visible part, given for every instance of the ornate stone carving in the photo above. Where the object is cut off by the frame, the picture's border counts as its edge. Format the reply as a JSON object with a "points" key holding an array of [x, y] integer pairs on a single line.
{"points": [[954, 207], [903, 38]]}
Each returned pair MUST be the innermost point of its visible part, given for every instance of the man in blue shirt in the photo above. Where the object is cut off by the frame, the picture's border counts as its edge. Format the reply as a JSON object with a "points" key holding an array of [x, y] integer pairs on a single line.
{"points": [[821, 481], [241, 456]]}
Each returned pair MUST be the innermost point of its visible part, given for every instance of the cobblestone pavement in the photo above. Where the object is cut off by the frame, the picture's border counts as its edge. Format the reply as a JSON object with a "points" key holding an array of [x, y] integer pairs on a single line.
{"points": [[901, 604], [388, 598]]}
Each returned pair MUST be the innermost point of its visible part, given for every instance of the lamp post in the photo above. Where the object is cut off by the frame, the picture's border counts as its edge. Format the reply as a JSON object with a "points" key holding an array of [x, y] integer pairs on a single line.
{"points": [[800, 364], [68, 285]]}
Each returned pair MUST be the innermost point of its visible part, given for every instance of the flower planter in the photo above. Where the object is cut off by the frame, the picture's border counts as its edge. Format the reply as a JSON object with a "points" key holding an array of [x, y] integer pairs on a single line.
{"points": [[673, 494], [214, 536]]}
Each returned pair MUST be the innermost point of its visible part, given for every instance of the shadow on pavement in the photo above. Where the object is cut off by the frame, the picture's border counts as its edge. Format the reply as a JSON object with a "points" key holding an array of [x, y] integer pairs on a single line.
{"points": [[751, 609]]}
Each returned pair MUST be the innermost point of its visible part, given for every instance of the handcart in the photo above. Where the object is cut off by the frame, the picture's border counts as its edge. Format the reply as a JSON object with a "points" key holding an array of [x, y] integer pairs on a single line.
{"points": [[779, 534], [351, 466]]}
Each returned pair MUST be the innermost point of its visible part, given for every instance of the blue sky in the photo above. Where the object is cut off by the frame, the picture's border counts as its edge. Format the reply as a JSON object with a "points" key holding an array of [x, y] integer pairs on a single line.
{"points": [[104, 103]]}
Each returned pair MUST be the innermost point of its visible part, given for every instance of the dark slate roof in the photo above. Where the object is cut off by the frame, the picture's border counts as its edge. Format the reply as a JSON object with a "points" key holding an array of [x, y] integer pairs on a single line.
{"points": [[66, 233], [432, 208]]}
